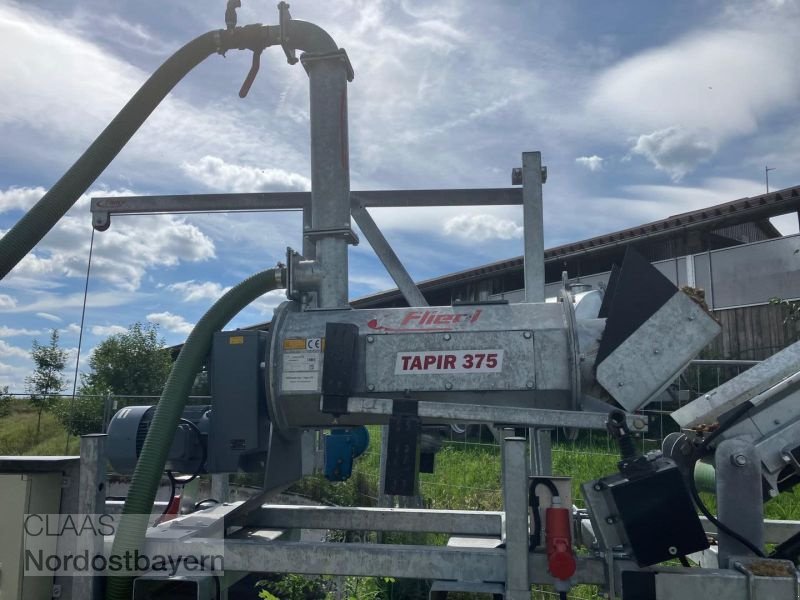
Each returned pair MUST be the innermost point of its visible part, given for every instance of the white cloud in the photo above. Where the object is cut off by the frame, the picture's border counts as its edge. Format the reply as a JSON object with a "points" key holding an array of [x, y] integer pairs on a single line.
{"points": [[171, 322], [14, 332], [215, 173], [49, 317], [723, 80], [269, 301], [20, 198], [7, 301], [106, 330], [675, 150], [73, 328], [198, 290], [593, 162], [482, 227], [7, 350], [122, 255]]}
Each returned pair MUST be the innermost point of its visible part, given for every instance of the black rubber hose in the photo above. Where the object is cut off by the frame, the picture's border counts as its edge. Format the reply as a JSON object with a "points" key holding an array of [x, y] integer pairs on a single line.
{"points": [[40, 219]]}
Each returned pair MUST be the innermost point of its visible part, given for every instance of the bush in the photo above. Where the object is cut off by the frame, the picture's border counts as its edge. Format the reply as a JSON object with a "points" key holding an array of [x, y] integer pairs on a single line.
{"points": [[5, 402], [80, 415]]}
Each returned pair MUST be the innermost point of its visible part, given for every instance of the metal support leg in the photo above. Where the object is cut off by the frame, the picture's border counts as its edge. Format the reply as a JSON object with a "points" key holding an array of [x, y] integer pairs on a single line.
{"points": [[220, 487], [91, 501], [533, 227], [739, 497], [541, 454], [515, 521]]}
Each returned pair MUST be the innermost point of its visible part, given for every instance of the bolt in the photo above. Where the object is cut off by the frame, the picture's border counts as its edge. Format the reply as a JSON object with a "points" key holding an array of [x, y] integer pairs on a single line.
{"points": [[371, 387], [307, 227], [447, 337], [448, 386], [740, 460], [370, 339], [672, 550], [656, 351], [620, 384], [598, 487], [529, 384], [786, 458], [527, 335], [611, 520], [776, 422], [638, 423], [691, 318], [773, 493]]}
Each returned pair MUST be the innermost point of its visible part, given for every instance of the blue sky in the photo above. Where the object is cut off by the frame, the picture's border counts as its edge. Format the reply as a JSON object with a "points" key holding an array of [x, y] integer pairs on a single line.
{"points": [[640, 109]]}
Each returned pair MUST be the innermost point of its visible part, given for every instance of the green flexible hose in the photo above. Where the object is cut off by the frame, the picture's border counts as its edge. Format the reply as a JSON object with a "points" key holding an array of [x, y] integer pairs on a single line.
{"points": [[131, 531]]}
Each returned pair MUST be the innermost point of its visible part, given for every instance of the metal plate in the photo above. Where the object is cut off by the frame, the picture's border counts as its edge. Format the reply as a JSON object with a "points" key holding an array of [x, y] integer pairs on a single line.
{"points": [[454, 361], [646, 362]]}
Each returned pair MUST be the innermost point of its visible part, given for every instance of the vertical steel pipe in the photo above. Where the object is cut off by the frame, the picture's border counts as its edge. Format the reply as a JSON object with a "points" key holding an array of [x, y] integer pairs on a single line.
{"points": [[330, 173]]}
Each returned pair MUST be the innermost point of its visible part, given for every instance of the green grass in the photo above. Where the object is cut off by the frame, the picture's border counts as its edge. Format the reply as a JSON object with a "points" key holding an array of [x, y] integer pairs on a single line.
{"points": [[18, 434]]}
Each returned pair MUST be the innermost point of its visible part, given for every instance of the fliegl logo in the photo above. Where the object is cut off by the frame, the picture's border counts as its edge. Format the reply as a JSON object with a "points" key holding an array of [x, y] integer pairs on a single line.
{"points": [[426, 320]]}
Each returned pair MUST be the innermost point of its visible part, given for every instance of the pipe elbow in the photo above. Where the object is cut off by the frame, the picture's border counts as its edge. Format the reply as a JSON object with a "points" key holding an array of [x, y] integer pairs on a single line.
{"points": [[308, 37]]}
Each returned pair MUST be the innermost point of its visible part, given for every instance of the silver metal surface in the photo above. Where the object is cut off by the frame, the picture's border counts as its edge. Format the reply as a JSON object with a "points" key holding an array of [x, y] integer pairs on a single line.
{"points": [[739, 497], [505, 415], [643, 365], [387, 256], [672, 583], [330, 173], [533, 224], [102, 207], [364, 560], [510, 351], [484, 523], [91, 501], [546, 370], [747, 385], [541, 451], [515, 522]]}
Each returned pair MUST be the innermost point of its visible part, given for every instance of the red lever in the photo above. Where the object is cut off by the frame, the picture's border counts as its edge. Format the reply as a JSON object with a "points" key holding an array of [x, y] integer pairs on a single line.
{"points": [[558, 541]]}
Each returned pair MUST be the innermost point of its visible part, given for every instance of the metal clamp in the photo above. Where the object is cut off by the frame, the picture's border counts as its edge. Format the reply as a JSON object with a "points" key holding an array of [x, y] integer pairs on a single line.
{"points": [[283, 19], [345, 232]]}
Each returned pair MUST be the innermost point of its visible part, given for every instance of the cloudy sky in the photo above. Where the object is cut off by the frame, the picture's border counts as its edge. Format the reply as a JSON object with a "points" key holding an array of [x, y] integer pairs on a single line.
{"points": [[641, 110]]}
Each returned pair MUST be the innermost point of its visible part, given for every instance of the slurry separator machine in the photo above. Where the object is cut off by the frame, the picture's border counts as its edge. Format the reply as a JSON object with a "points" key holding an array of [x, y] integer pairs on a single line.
{"points": [[325, 367]]}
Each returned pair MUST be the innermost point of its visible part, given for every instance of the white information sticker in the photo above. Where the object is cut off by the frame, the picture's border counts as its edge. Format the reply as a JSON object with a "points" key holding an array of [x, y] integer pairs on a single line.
{"points": [[449, 361], [302, 364]]}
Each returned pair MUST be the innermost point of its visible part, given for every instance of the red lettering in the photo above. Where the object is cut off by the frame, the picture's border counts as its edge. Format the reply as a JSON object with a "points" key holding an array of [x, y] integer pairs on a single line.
{"points": [[475, 316], [443, 319], [411, 316], [416, 364], [405, 362], [450, 361], [491, 360], [429, 360], [480, 356]]}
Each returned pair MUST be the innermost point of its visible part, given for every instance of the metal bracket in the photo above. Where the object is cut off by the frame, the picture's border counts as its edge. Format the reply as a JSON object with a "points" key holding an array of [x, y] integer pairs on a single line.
{"points": [[345, 232], [283, 20], [340, 54]]}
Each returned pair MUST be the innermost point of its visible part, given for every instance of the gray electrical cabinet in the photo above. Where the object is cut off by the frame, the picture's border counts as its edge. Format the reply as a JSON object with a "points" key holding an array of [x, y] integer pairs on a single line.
{"points": [[22, 494]]}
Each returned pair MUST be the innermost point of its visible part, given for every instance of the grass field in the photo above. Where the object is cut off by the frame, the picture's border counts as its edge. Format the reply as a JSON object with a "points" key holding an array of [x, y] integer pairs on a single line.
{"points": [[18, 434]]}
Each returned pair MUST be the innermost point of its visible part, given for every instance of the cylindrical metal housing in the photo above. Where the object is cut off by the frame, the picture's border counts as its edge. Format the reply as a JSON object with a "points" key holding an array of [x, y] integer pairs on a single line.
{"points": [[487, 354]]}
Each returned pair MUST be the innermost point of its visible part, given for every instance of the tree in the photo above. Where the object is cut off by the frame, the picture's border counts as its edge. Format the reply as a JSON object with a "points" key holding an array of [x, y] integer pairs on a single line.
{"points": [[134, 363], [47, 380], [5, 401]]}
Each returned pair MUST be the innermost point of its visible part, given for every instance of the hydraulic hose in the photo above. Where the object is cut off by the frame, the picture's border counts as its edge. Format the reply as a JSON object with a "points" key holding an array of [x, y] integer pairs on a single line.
{"points": [[41, 218], [131, 531]]}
